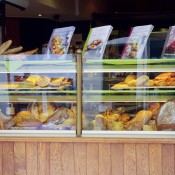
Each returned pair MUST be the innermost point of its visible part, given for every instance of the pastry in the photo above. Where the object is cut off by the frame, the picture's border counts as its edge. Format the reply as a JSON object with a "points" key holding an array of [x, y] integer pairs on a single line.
{"points": [[5, 46], [129, 78], [142, 79], [41, 110], [160, 82], [120, 85], [26, 84], [43, 81], [59, 82], [142, 117], [33, 78], [116, 126], [132, 83], [147, 128], [148, 83], [124, 117]]}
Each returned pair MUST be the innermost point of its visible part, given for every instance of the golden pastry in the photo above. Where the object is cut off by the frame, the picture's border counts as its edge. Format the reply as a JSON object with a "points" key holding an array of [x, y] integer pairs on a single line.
{"points": [[132, 83], [26, 84], [142, 116], [33, 79], [129, 78], [142, 79], [149, 83], [120, 85], [160, 82], [43, 81], [124, 117], [147, 128]]}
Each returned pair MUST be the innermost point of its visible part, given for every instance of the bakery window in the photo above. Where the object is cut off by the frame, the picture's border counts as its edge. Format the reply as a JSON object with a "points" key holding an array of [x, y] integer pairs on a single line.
{"points": [[38, 95], [129, 98]]}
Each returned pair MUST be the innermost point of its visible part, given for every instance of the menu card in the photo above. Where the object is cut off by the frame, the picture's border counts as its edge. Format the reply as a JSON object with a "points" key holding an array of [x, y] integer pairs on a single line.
{"points": [[60, 40], [136, 42], [96, 42], [169, 46]]}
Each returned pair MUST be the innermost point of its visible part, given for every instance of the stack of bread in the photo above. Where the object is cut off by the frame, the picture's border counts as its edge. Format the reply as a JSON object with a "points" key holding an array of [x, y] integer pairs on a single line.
{"points": [[6, 50], [132, 81], [165, 79], [44, 81], [119, 120], [39, 114]]}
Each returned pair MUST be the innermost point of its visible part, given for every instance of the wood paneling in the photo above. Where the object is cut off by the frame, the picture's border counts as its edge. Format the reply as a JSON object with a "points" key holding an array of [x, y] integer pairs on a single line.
{"points": [[117, 161], [8, 158], [129, 159], [168, 159], [67, 159], [155, 159], [20, 158], [92, 159], [55, 159], [80, 158], [32, 158], [44, 158], [104, 159], [142, 159]]}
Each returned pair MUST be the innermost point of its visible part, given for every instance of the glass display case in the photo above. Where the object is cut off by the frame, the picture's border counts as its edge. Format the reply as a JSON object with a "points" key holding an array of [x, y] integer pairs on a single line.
{"points": [[129, 97], [38, 95], [52, 95]]}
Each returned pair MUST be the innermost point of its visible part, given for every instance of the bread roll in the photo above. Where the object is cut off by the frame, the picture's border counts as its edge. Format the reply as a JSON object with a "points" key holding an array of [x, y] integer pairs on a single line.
{"points": [[148, 83], [142, 117], [43, 81], [142, 79]]}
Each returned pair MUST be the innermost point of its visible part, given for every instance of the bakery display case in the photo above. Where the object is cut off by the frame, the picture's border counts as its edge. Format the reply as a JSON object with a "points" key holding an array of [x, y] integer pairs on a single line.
{"points": [[129, 98], [38, 95]]}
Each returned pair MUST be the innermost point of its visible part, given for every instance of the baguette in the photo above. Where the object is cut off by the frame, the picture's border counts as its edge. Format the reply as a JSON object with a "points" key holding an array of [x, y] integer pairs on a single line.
{"points": [[5, 46], [13, 51], [30, 52]]}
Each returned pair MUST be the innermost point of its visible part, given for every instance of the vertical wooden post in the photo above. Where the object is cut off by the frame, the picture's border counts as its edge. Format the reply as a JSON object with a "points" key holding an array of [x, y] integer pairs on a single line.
{"points": [[79, 94]]}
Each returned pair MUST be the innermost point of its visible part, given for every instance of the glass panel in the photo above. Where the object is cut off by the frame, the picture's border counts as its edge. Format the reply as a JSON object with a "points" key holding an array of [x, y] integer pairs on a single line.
{"points": [[38, 92], [128, 94]]}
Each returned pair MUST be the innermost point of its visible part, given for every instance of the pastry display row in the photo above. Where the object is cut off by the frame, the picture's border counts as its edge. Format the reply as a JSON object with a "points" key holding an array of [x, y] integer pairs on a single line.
{"points": [[163, 79], [37, 81], [40, 115]]}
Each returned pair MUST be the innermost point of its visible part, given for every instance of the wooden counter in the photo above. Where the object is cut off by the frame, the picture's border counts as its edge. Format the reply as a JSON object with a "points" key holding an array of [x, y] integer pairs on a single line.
{"points": [[86, 156]]}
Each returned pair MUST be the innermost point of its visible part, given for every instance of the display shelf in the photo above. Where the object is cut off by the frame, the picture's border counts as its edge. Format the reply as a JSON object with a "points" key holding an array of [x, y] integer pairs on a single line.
{"points": [[37, 66], [37, 98], [130, 68], [118, 65], [128, 134], [127, 98], [141, 90], [131, 61], [38, 133]]}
